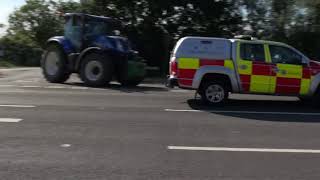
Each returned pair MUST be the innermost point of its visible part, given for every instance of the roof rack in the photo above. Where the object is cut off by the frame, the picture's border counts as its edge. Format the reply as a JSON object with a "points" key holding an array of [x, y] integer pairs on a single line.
{"points": [[245, 37]]}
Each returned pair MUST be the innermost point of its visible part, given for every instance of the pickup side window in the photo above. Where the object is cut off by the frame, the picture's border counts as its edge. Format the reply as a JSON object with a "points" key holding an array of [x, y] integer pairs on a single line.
{"points": [[252, 52], [284, 55]]}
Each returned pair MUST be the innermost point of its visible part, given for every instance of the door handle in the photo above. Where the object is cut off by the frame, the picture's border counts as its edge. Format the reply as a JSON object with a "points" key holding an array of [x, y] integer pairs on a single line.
{"points": [[283, 72], [276, 70], [243, 67]]}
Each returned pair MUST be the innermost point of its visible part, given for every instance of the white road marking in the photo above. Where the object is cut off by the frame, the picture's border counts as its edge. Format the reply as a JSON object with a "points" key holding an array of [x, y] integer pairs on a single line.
{"points": [[24, 81], [246, 112], [17, 106], [10, 120], [55, 87], [79, 88], [6, 85], [227, 149], [179, 90], [31, 86], [65, 145]]}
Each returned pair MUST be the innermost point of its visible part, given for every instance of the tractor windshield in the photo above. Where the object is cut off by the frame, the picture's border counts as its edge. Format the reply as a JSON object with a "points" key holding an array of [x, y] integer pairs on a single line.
{"points": [[99, 28]]}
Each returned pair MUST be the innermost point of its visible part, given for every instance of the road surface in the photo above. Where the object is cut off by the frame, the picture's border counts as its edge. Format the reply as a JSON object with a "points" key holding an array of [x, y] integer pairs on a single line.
{"points": [[71, 132]]}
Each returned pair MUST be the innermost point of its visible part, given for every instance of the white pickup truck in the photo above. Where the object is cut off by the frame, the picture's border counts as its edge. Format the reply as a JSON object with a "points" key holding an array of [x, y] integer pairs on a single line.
{"points": [[216, 67]]}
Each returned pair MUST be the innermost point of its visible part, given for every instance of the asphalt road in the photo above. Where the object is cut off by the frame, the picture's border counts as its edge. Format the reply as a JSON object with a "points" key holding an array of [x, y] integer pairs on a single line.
{"points": [[70, 132]]}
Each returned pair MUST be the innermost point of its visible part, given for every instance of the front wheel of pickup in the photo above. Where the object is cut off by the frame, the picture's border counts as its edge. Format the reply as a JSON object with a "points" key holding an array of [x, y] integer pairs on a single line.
{"points": [[214, 93]]}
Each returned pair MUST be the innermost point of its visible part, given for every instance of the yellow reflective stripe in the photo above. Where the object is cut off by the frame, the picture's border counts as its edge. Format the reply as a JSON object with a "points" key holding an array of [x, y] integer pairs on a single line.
{"points": [[267, 53], [245, 67], [289, 71], [273, 84], [305, 86], [259, 84], [189, 63], [229, 64]]}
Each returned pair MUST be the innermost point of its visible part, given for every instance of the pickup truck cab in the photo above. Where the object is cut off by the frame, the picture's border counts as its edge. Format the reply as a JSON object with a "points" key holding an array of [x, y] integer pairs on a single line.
{"points": [[216, 67]]}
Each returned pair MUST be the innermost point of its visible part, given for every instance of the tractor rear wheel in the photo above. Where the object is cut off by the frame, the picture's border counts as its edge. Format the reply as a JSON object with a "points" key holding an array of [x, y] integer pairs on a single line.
{"points": [[96, 70], [54, 65]]}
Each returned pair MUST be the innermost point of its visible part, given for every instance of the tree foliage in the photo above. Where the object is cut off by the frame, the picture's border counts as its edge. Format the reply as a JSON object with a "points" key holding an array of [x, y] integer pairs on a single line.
{"points": [[31, 26], [154, 26]]}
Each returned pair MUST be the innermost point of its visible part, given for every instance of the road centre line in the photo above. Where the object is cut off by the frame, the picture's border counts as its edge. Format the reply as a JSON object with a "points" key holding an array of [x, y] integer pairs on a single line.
{"points": [[79, 88], [228, 149], [17, 106], [10, 120], [245, 112], [55, 87], [31, 86], [7, 85]]}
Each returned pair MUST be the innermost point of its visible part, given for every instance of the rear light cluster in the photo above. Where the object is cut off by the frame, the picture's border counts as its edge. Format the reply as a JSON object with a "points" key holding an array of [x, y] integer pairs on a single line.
{"points": [[173, 67]]}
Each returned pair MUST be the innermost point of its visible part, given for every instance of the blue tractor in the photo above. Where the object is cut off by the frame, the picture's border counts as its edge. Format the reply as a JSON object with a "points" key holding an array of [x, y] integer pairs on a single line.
{"points": [[93, 48]]}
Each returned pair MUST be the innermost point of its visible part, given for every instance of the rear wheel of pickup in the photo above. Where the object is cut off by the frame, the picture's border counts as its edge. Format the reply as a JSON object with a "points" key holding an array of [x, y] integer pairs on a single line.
{"points": [[214, 93]]}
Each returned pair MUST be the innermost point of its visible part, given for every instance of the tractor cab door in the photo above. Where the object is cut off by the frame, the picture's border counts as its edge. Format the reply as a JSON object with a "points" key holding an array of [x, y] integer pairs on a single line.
{"points": [[73, 31]]}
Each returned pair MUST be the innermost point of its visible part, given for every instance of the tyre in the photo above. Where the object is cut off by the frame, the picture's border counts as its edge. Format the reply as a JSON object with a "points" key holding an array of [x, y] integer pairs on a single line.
{"points": [[313, 100], [96, 70], [214, 93], [54, 65]]}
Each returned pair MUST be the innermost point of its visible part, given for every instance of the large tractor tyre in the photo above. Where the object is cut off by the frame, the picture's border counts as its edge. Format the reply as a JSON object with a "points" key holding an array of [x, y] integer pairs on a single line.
{"points": [[54, 65], [214, 93], [96, 70]]}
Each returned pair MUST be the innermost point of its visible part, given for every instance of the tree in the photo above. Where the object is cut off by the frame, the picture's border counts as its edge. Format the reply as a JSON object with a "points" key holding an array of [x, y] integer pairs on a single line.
{"points": [[31, 25], [281, 14], [154, 26], [256, 14]]}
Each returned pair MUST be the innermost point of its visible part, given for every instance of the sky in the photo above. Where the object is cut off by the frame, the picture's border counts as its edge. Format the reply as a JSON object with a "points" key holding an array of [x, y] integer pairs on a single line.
{"points": [[7, 7]]}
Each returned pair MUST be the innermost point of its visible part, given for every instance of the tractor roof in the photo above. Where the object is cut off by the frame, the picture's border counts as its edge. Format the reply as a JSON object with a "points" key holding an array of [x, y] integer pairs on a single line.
{"points": [[92, 17]]}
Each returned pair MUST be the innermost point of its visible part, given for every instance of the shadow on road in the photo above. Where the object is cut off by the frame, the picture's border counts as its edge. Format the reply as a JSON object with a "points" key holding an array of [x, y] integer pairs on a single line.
{"points": [[118, 87], [263, 106]]}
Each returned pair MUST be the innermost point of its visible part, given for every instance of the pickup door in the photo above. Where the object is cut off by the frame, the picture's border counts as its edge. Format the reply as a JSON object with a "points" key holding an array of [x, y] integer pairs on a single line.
{"points": [[272, 69], [292, 77], [254, 69]]}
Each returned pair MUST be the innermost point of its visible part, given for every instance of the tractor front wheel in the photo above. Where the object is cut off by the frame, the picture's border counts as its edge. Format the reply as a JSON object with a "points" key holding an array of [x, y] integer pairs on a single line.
{"points": [[96, 70], [54, 65]]}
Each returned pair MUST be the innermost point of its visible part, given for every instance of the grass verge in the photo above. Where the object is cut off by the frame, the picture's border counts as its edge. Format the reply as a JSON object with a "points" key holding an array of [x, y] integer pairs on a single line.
{"points": [[7, 64]]}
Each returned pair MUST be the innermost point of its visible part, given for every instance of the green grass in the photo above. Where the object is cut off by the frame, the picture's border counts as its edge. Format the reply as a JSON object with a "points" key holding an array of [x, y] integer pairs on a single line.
{"points": [[6, 64]]}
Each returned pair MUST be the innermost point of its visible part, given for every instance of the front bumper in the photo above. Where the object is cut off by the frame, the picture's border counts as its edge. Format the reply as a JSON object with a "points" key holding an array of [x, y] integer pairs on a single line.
{"points": [[172, 82]]}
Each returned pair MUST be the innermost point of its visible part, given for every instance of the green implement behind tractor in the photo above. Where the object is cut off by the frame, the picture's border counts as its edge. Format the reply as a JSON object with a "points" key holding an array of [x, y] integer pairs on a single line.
{"points": [[91, 46]]}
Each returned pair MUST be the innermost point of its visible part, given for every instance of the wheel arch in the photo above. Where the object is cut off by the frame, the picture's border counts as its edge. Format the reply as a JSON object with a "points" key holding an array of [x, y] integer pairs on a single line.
{"points": [[315, 85], [63, 43], [216, 72], [83, 54]]}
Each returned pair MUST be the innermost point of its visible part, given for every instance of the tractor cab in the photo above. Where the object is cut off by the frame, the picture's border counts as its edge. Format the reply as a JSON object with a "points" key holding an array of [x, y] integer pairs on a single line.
{"points": [[85, 31]]}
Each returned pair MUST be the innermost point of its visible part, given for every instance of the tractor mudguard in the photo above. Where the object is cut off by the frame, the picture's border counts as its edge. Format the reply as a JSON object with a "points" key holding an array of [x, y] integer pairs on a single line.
{"points": [[63, 42], [83, 54], [95, 49]]}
